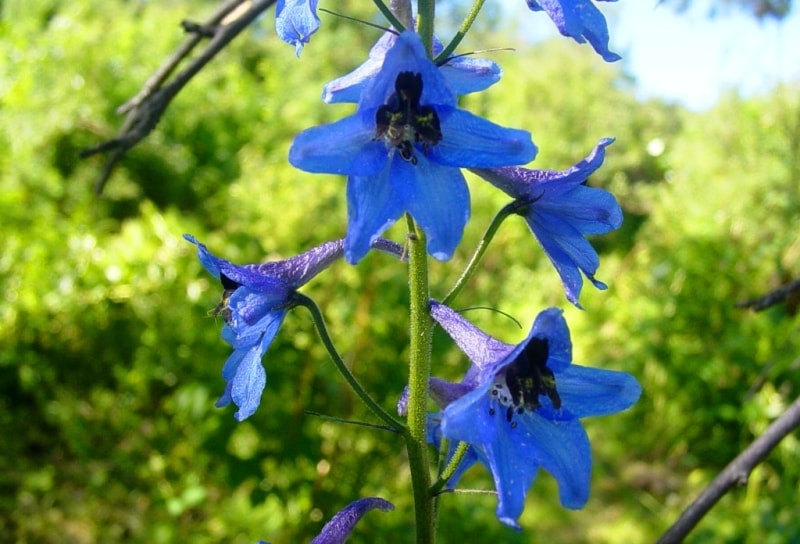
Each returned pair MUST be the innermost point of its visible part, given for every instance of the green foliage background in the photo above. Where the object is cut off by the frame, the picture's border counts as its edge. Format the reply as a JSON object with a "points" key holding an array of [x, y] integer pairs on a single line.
{"points": [[110, 361]]}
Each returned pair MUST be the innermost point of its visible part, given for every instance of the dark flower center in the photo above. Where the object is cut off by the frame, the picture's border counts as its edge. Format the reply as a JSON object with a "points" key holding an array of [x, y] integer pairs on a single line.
{"points": [[402, 121], [222, 308], [521, 383]]}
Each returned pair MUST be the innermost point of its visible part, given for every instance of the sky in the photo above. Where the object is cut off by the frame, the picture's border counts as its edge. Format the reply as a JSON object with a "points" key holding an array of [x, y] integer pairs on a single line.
{"points": [[689, 58]]}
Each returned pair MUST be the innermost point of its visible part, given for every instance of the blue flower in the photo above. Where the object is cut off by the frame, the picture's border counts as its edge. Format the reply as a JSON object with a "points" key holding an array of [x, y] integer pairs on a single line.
{"points": [[464, 75], [402, 151], [338, 528], [579, 19], [560, 210], [255, 302], [519, 408], [296, 21]]}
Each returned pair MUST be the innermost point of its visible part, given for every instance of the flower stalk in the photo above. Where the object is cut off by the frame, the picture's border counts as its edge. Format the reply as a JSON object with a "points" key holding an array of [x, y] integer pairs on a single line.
{"points": [[421, 328], [426, 11], [316, 315], [462, 31], [483, 245]]}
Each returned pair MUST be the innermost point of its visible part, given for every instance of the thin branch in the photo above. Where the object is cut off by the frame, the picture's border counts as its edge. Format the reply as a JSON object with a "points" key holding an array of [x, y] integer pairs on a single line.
{"points": [[736, 473], [773, 297], [144, 111]]}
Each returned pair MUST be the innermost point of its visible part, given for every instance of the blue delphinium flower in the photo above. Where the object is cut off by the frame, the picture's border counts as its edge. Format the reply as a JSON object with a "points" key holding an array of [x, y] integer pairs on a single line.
{"points": [[402, 151], [339, 527], [579, 19], [519, 407], [254, 304], [560, 210], [296, 21], [464, 75]]}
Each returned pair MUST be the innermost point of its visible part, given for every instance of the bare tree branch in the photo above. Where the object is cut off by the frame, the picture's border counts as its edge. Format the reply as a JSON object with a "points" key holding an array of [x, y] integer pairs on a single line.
{"points": [[736, 473], [144, 111], [773, 297]]}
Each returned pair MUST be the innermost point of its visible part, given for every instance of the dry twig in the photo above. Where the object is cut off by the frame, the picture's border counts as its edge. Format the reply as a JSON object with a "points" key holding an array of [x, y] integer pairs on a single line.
{"points": [[144, 111], [736, 473]]}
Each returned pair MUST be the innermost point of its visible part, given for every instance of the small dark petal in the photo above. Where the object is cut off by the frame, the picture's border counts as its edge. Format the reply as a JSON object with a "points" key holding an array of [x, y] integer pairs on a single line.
{"points": [[227, 283]]}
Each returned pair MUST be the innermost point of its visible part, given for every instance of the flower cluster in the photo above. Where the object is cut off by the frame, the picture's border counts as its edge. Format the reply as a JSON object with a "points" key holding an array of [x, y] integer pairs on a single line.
{"points": [[403, 150], [560, 210], [255, 301], [519, 408]]}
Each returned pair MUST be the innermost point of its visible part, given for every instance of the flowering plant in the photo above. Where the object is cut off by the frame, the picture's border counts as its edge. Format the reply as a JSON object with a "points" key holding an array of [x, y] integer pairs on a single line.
{"points": [[404, 151]]}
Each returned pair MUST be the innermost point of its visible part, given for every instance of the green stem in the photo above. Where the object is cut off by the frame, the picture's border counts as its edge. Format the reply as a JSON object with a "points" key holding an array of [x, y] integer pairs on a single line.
{"points": [[426, 11], [421, 326], [465, 26], [393, 20], [498, 219], [319, 321], [450, 469]]}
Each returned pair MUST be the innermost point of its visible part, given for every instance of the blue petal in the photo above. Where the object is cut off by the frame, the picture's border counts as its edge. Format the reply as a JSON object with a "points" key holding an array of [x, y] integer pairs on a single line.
{"points": [[483, 350], [373, 204], [229, 371], [596, 32], [562, 449], [464, 75], [567, 249], [243, 275], [296, 21], [469, 141], [348, 88], [251, 316], [338, 528], [407, 55], [545, 186], [441, 392], [589, 210], [298, 270], [467, 419], [467, 75], [209, 261], [434, 437], [579, 19], [550, 324], [588, 391], [440, 204], [243, 371], [345, 147], [245, 379], [513, 462], [247, 384], [511, 454]]}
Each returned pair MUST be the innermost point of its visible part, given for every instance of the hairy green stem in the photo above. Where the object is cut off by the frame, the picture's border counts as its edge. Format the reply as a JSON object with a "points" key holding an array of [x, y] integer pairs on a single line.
{"points": [[426, 11], [462, 31], [450, 468], [421, 326], [322, 329], [498, 219]]}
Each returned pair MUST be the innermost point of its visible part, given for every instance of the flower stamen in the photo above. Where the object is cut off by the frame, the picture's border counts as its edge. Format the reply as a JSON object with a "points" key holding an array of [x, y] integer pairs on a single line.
{"points": [[519, 386], [222, 308], [402, 121]]}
